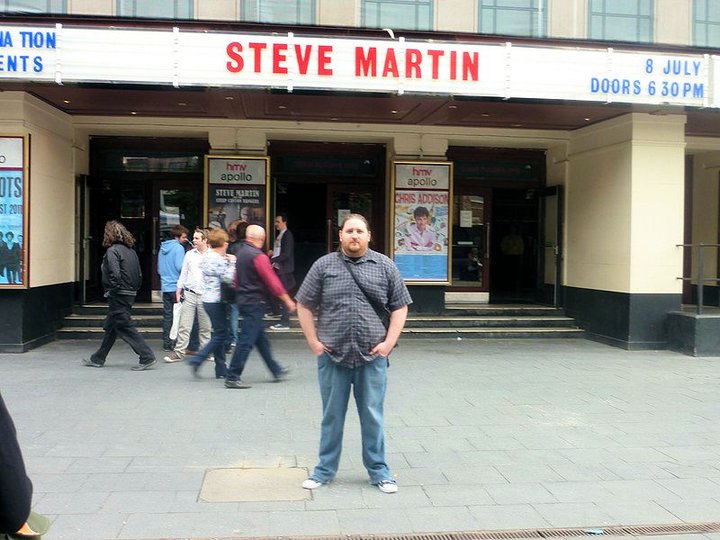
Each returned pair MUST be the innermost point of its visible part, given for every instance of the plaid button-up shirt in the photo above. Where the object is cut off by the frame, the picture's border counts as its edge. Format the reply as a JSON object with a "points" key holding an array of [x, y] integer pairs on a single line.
{"points": [[347, 323]]}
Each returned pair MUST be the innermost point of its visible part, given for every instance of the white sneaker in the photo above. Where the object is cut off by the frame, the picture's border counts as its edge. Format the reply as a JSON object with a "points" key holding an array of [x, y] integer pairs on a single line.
{"points": [[387, 486], [311, 483], [280, 327], [173, 357]]}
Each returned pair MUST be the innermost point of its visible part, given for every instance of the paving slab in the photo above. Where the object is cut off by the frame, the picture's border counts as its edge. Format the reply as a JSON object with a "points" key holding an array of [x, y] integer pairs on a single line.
{"points": [[481, 435]]}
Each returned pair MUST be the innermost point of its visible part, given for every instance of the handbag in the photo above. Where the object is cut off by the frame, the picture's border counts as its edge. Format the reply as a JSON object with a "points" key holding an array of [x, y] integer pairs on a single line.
{"points": [[228, 284], [177, 307], [382, 312]]}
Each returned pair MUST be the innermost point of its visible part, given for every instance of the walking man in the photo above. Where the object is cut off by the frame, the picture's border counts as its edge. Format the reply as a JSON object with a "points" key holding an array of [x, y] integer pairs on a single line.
{"points": [[190, 289], [350, 291], [121, 279], [256, 279], [170, 259], [283, 261]]}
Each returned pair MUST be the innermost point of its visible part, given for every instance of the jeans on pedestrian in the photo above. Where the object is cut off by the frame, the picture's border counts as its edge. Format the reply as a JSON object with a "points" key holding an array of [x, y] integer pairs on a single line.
{"points": [[217, 311], [168, 299], [234, 322], [369, 384], [252, 333], [118, 322]]}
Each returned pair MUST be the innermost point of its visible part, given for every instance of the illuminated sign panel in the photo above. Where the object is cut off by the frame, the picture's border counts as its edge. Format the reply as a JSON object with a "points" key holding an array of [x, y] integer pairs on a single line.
{"points": [[194, 58]]}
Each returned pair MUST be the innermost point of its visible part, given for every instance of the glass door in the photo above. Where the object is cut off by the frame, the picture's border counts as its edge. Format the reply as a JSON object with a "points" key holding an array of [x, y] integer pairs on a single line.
{"points": [[470, 241], [346, 199], [174, 202]]}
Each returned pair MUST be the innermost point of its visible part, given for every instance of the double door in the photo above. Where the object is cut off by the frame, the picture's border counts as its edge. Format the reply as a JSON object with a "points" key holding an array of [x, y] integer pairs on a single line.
{"points": [[471, 241], [148, 205]]}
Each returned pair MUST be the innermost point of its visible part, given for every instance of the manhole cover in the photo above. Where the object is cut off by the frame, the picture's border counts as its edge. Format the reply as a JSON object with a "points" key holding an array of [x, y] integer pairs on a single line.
{"points": [[252, 485]]}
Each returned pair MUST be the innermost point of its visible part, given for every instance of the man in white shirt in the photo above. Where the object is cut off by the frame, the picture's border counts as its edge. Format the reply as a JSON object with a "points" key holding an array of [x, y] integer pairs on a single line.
{"points": [[190, 288], [420, 237]]}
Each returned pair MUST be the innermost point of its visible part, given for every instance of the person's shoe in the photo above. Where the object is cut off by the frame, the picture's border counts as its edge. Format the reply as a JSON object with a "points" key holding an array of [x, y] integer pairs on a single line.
{"points": [[142, 367], [90, 363], [195, 367], [279, 326], [236, 384], [387, 486], [284, 372], [311, 483], [173, 357], [190, 352]]}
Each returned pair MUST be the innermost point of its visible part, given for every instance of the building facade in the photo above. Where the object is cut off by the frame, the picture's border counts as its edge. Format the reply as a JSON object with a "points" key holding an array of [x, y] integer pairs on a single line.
{"points": [[563, 149]]}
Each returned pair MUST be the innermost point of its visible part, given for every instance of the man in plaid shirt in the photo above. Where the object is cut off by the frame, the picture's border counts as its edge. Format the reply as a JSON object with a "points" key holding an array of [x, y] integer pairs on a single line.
{"points": [[348, 290]]}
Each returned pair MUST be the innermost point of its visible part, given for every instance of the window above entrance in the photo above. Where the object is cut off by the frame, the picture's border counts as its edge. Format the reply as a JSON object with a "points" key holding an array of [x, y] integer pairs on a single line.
{"points": [[33, 6], [394, 14], [621, 20], [513, 17], [175, 9], [279, 11], [706, 23]]}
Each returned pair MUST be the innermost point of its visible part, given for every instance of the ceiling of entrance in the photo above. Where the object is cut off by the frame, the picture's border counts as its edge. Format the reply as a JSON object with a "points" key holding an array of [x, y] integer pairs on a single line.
{"points": [[356, 108]]}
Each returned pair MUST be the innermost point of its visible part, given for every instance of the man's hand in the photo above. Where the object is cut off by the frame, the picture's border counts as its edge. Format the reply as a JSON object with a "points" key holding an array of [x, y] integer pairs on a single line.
{"points": [[290, 305], [317, 347], [384, 348]]}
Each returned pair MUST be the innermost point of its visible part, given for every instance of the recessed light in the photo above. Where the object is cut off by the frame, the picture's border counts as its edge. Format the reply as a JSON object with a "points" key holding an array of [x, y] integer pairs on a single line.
{"points": [[66, 101], [133, 112], [394, 111], [452, 106], [516, 125], [485, 115], [182, 104], [282, 107], [587, 119], [229, 98]]}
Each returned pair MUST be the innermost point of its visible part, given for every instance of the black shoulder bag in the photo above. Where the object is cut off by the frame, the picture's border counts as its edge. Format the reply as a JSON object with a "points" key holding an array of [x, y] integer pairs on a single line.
{"points": [[381, 311]]}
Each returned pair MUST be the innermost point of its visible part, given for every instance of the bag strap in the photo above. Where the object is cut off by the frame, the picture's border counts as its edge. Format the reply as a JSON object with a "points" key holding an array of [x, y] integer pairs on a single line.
{"points": [[377, 308]]}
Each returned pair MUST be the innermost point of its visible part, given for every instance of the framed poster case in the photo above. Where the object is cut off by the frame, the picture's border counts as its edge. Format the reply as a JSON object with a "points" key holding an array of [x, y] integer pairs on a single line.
{"points": [[421, 240], [14, 211]]}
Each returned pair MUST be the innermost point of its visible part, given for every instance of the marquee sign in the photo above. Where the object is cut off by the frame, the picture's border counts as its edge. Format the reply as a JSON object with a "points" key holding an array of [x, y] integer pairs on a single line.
{"points": [[194, 58]]}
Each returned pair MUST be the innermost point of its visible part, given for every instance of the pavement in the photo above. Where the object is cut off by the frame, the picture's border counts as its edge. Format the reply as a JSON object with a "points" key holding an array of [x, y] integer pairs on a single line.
{"points": [[481, 435]]}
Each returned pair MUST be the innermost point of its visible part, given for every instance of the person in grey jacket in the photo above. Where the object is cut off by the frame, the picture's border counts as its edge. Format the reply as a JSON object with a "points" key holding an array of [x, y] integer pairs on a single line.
{"points": [[121, 279]]}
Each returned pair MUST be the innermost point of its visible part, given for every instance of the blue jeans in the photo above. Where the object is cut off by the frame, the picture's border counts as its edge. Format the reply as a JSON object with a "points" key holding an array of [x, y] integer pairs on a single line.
{"points": [[217, 311], [368, 383], [168, 299], [252, 333], [234, 320]]}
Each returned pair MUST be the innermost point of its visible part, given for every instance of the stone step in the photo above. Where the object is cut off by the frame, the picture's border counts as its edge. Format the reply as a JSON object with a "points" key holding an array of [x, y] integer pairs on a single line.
{"points": [[452, 333]]}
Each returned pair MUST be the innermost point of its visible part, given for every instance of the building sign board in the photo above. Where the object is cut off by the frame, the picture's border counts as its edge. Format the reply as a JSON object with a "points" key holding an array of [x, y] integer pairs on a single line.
{"points": [[200, 58], [236, 188], [421, 226], [14, 201]]}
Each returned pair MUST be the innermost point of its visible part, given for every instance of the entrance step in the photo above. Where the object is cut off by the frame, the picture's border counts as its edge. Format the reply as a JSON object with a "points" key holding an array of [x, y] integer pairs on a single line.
{"points": [[458, 322]]}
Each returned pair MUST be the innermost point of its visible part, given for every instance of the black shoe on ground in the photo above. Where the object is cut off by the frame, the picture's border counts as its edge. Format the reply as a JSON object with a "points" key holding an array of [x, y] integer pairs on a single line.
{"points": [[88, 362], [236, 384], [142, 367], [284, 372]]}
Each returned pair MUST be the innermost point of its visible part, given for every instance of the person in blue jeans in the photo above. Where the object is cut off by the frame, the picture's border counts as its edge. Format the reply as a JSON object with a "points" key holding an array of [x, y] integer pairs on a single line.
{"points": [[215, 265], [350, 290], [255, 280]]}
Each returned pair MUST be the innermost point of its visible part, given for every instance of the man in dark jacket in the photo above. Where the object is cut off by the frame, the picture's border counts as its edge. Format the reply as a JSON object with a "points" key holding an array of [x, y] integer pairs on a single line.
{"points": [[283, 261], [121, 279], [255, 280]]}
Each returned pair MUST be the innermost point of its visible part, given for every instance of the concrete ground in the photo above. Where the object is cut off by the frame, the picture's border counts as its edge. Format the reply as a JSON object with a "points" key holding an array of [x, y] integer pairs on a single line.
{"points": [[481, 435]]}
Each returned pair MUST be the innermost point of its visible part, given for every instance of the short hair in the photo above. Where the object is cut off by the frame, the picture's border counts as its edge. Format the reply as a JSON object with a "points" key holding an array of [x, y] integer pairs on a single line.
{"points": [[348, 217], [202, 232], [178, 230], [217, 238], [421, 211], [236, 230], [9, 235], [116, 232], [282, 215]]}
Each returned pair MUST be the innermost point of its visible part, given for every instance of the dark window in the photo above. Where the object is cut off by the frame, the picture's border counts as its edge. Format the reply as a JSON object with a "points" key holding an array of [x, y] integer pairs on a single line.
{"points": [[394, 14], [279, 11], [621, 20], [173, 9], [706, 30], [513, 17], [33, 6]]}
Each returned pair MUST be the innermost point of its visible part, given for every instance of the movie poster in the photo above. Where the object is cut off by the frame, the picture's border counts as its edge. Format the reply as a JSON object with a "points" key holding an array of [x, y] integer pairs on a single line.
{"points": [[421, 232], [236, 188], [13, 185]]}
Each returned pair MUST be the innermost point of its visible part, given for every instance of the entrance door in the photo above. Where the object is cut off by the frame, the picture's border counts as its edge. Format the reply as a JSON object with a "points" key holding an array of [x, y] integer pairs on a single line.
{"points": [[471, 241], [343, 199], [173, 202], [551, 260]]}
